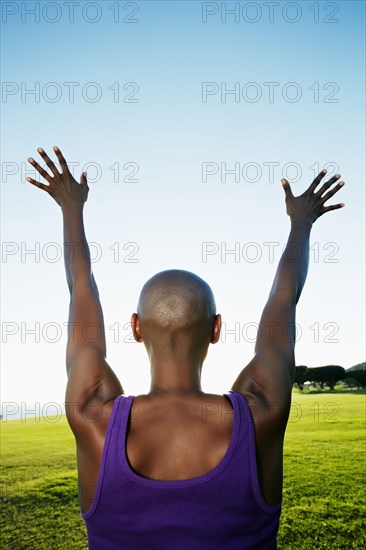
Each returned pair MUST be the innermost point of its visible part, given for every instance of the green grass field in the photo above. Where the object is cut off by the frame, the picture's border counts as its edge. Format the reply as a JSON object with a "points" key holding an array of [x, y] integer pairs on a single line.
{"points": [[324, 485]]}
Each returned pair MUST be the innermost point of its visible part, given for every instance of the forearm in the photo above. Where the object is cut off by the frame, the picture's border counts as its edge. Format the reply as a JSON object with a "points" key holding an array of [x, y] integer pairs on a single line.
{"points": [[294, 263], [76, 249]]}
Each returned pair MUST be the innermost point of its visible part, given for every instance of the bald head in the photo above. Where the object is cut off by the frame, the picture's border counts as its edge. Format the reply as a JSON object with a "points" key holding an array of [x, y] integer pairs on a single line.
{"points": [[176, 302]]}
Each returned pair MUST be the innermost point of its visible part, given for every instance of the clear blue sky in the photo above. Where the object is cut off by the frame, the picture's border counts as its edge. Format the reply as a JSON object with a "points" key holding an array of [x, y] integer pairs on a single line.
{"points": [[298, 73]]}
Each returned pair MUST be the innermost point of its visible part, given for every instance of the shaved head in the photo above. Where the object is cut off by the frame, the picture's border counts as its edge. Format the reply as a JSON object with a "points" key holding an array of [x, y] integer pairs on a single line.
{"points": [[176, 304]]}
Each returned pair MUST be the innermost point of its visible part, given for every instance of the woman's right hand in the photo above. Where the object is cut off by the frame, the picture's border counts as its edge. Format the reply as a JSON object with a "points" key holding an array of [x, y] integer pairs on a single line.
{"points": [[309, 206]]}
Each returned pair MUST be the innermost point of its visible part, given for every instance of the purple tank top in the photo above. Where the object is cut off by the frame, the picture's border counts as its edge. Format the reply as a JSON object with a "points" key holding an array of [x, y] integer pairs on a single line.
{"points": [[222, 509]]}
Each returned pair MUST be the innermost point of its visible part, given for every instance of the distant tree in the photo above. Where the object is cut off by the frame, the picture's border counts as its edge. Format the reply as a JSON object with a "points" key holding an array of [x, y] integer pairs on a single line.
{"points": [[328, 375], [301, 376], [359, 376], [315, 377], [359, 366], [355, 376], [351, 382]]}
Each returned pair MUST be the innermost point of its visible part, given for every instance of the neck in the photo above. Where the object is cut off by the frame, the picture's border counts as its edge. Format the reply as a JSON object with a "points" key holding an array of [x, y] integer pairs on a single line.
{"points": [[172, 375]]}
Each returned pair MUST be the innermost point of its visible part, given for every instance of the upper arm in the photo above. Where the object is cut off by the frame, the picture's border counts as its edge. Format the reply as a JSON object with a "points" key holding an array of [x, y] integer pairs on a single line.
{"points": [[86, 323], [91, 385], [270, 374], [90, 378]]}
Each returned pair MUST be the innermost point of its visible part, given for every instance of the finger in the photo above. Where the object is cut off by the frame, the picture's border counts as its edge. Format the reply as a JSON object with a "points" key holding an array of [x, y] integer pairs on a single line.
{"points": [[331, 192], [333, 207], [83, 179], [38, 184], [48, 161], [327, 184], [316, 182], [39, 169], [61, 159], [287, 188]]}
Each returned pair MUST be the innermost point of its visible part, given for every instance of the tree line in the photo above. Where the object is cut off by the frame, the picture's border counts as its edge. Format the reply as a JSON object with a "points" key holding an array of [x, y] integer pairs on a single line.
{"points": [[330, 375]]}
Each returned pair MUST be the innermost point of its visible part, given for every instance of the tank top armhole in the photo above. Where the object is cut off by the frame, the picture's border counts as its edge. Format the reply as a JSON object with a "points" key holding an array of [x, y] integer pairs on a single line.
{"points": [[253, 461], [114, 414]]}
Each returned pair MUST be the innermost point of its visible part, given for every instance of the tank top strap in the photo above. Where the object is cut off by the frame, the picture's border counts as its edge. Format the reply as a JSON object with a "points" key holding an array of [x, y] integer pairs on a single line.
{"points": [[119, 433], [117, 446], [246, 440], [243, 424], [108, 450], [123, 413], [242, 404]]}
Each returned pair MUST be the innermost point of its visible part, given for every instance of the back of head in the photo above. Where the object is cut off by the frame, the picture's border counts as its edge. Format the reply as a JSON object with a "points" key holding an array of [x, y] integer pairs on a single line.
{"points": [[176, 303]]}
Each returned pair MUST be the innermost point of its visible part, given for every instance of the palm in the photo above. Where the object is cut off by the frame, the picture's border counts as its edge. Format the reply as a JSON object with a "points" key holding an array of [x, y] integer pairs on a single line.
{"points": [[62, 187], [310, 205]]}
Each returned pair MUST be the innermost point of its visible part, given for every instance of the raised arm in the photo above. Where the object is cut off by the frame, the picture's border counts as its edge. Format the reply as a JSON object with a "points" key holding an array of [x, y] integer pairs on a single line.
{"points": [[90, 378], [266, 382], [270, 374]]}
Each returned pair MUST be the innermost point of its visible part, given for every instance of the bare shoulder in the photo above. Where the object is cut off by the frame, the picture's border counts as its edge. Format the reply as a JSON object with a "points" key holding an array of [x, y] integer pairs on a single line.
{"points": [[192, 403], [207, 408], [266, 384], [89, 425], [266, 416]]}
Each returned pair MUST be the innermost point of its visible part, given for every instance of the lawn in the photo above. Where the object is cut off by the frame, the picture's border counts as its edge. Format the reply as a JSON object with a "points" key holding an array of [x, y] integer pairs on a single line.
{"points": [[324, 484]]}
